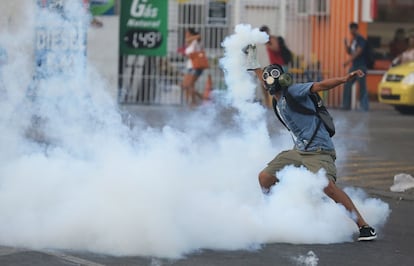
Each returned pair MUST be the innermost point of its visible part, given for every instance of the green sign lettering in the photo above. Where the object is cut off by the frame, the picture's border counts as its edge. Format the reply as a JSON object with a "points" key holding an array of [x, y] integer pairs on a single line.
{"points": [[143, 27]]}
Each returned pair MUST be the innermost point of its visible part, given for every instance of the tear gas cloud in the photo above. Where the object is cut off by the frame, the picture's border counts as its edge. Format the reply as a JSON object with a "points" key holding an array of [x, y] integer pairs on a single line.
{"points": [[95, 184]]}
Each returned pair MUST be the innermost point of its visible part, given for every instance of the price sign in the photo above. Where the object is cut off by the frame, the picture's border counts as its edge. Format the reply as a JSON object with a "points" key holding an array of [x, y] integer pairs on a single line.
{"points": [[142, 38], [143, 27]]}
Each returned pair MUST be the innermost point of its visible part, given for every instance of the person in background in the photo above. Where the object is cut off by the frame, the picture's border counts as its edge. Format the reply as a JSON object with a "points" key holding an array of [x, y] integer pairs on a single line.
{"points": [[191, 75], [277, 52], [399, 44], [357, 58], [407, 55], [277, 49]]}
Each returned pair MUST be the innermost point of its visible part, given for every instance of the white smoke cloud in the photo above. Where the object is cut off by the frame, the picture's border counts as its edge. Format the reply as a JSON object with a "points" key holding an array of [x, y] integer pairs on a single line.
{"points": [[94, 184]]}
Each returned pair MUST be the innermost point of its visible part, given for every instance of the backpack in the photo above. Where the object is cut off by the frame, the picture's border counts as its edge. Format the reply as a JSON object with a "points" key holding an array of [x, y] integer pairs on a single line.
{"points": [[320, 111]]}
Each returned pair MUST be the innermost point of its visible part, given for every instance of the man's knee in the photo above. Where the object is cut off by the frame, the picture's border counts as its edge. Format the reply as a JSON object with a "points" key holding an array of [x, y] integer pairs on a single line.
{"points": [[331, 190]]}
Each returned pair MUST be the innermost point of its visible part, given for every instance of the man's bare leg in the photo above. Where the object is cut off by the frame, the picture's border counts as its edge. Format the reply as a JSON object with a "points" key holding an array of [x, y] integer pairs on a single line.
{"points": [[339, 196], [267, 180]]}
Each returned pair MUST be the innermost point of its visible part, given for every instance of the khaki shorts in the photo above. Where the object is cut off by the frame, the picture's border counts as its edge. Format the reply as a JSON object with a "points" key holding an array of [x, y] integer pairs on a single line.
{"points": [[312, 160]]}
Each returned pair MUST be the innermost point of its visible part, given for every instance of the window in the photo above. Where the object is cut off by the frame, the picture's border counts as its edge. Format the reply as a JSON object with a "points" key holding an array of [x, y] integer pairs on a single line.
{"points": [[217, 12], [321, 7], [303, 7], [210, 20], [313, 7]]}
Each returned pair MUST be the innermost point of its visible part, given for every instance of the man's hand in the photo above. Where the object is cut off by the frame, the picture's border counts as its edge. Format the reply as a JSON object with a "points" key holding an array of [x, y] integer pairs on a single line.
{"points": [[354, 74]]}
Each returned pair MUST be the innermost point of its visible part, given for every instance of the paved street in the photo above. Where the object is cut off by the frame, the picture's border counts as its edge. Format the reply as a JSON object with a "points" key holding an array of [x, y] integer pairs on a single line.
{"points": [[383, 147]]}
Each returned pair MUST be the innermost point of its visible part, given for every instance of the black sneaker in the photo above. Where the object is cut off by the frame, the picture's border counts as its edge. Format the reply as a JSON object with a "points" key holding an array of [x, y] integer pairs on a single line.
{"points": [[366, 233]]}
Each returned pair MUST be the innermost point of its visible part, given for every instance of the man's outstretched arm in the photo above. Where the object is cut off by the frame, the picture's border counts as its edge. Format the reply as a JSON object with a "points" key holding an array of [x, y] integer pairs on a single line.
{"points": [[328, 84]]}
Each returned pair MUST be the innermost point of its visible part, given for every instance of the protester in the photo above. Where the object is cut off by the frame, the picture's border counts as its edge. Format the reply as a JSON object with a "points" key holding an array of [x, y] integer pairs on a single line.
{"points": [[313, 146], [191, 75], [358, 60]]}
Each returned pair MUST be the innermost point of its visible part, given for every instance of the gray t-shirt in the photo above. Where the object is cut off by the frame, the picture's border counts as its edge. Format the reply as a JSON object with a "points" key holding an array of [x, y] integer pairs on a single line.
{"points": [[303, 126]]}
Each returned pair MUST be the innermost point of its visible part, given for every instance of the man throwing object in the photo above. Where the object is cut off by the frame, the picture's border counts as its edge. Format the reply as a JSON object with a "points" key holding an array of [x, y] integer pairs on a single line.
{"points": [[313, 147]]}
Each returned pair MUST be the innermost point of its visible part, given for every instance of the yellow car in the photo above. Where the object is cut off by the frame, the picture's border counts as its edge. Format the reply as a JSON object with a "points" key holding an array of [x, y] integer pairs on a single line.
{"points": [[397, 88]]}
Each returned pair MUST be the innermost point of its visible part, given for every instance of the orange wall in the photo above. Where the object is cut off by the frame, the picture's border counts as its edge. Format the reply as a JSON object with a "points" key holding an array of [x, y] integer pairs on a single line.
{"points": [[328, 33]]}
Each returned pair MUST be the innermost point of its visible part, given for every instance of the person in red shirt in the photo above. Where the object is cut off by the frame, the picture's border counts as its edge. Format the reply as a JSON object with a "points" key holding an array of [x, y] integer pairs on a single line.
{"points": [[278, 54], [277, 50]]}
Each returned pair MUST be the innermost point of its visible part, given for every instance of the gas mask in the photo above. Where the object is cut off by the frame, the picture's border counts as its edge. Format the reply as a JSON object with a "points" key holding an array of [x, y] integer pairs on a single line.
{"points": [[275, 79]]}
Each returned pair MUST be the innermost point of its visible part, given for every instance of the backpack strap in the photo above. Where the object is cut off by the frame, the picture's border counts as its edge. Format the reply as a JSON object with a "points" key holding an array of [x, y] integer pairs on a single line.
{"points": [[299, 108], [314, 134]]}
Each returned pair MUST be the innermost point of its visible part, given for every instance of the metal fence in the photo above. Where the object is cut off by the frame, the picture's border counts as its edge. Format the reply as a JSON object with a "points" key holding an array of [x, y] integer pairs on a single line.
{"points": [[156, 80], [312, 33]]}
